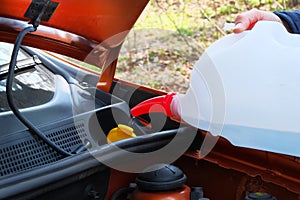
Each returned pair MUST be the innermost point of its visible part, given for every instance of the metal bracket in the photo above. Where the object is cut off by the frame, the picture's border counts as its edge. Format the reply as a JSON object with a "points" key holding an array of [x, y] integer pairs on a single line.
{"points": [[42, 9]]}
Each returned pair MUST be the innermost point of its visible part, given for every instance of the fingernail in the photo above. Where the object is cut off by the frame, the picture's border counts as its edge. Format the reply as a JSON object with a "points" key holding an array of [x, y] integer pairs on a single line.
{"points": [[237, 28], [238, 25]]}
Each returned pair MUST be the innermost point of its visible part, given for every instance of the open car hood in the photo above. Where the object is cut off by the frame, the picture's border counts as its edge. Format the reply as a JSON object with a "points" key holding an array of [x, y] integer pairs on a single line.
{"points": [[76, 28]]}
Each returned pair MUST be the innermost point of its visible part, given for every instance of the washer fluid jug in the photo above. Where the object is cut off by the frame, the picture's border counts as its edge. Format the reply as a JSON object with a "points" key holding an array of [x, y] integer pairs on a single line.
{"points": [[246, 88]]}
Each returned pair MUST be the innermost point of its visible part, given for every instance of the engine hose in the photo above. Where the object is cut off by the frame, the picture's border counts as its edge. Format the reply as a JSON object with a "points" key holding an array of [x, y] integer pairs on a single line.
{"points": [[10, 100], [122, 191]]}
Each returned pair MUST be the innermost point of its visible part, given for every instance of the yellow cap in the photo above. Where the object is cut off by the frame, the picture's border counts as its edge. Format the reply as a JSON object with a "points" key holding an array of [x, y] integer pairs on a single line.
{"points": [[120, 133]]}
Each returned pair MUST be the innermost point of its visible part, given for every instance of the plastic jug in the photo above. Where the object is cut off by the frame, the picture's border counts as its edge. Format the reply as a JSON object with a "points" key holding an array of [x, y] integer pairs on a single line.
{"points": [[246, 88]]}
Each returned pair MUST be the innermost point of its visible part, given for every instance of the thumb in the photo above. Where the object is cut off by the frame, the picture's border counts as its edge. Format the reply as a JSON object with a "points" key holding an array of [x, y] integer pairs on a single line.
{"points": [[240, 27]]}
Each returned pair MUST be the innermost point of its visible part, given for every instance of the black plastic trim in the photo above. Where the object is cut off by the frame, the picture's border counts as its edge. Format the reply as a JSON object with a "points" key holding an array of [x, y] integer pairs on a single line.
{"points": [[39, 177]]}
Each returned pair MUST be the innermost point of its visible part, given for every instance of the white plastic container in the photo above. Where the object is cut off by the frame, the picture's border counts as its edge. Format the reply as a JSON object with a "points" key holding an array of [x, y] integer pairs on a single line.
{"points": [[246, 88]]}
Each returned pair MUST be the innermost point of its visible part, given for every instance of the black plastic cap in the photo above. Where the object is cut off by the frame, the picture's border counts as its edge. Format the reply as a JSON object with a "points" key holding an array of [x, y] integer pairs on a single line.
{"points": [[164, 177]]}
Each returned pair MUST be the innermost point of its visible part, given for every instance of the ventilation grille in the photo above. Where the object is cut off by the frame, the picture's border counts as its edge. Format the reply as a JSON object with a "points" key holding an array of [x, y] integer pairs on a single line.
{"points": [[27, 153]]}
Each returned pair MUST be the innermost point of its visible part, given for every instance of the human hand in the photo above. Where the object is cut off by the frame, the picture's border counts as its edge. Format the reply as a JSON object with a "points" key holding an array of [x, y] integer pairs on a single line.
{"points": [[246, 20]]}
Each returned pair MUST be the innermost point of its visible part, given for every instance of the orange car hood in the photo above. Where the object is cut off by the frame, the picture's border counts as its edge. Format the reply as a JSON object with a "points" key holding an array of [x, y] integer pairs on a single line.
{"points": [[76, 28]]}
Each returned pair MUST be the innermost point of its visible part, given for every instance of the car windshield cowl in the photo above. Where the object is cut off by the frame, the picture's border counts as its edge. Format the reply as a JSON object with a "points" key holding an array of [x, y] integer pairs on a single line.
{"points": [[31, 79]]}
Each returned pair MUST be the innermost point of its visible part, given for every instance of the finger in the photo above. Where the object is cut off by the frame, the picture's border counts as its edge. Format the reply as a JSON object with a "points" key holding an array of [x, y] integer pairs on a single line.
{"points": [[239, 27], [247, 20]]}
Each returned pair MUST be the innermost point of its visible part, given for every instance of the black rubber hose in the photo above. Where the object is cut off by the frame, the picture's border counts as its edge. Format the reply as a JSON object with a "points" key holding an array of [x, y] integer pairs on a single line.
{"points": [[10, 100], [155, 137], [121, 191]]}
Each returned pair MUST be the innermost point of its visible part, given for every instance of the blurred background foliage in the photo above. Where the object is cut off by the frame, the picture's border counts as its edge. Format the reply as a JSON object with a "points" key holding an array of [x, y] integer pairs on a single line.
{"points": [[170, 36]]}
